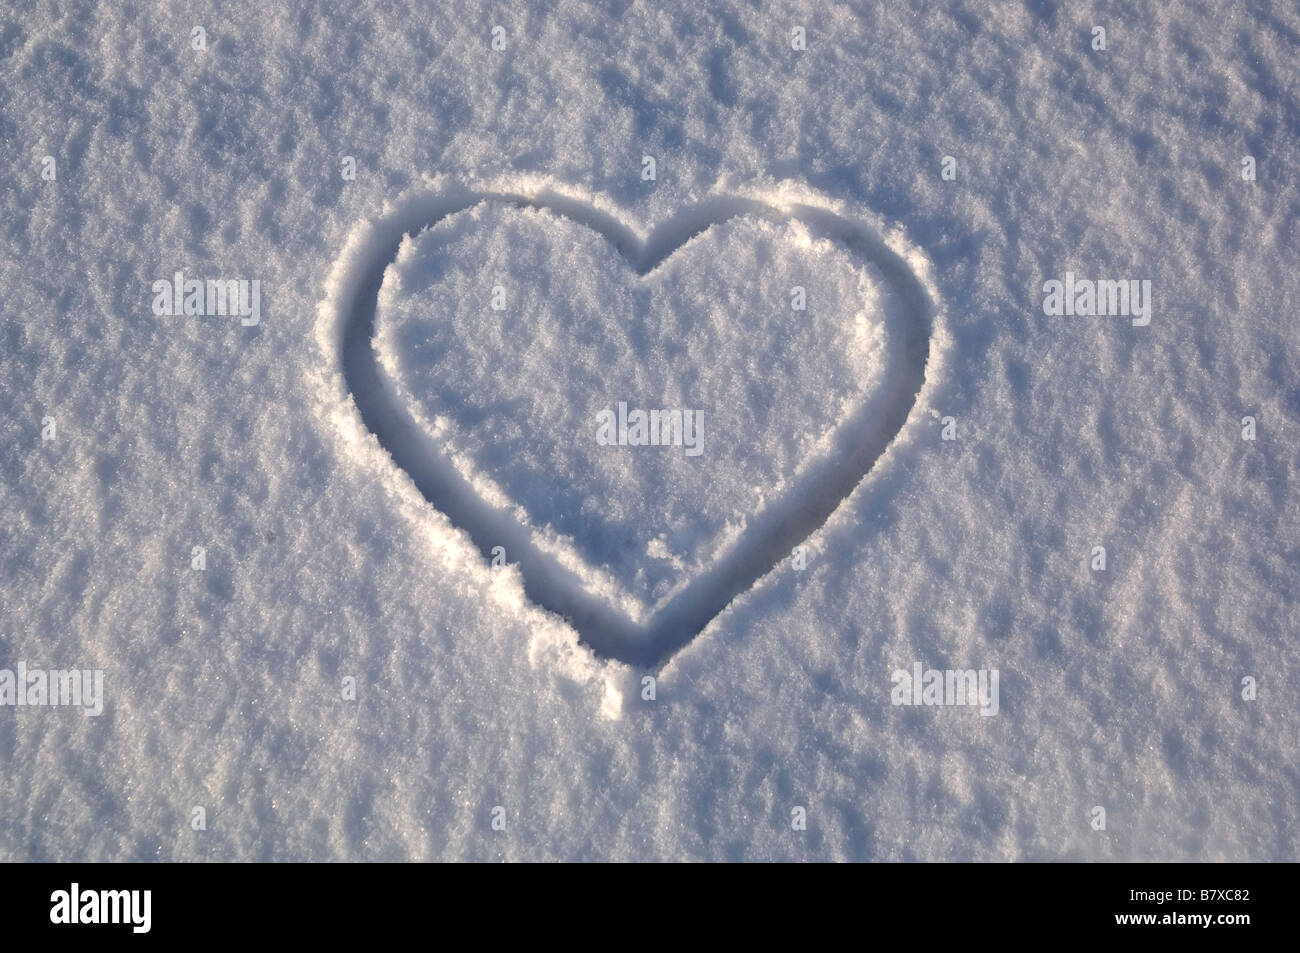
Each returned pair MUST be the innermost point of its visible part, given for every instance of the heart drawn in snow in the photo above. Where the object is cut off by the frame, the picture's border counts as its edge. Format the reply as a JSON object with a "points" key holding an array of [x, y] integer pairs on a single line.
{"points": [[496, 414]]}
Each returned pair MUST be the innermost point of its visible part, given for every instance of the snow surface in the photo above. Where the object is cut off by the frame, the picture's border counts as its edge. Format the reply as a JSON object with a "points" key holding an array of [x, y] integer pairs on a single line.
{"points": [[325, 561], [712, 332]]}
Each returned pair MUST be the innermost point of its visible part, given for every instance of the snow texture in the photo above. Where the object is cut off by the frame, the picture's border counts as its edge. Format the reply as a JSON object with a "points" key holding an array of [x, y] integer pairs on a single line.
{"points": [[348, 462]]}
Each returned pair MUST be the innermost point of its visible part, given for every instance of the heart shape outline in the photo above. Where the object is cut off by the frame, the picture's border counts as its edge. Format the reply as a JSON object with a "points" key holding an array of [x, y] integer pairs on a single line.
{"points": [[860, 441]]}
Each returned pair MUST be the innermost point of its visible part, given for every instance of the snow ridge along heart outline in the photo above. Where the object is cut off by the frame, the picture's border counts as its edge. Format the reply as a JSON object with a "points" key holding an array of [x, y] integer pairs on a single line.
{"points": [[769, 535]]}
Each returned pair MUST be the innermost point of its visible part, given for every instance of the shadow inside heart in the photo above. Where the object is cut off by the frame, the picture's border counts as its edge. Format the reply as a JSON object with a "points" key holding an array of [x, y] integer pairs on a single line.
{"points": [[768, 535]]}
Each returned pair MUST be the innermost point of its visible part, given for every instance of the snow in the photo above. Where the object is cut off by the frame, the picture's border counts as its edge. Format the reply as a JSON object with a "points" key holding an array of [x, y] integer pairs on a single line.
{"points": [[302, 457]]}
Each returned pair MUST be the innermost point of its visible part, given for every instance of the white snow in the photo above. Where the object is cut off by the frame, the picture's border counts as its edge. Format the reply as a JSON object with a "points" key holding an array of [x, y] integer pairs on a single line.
{"points": [[225, 687]]}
